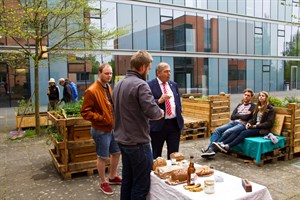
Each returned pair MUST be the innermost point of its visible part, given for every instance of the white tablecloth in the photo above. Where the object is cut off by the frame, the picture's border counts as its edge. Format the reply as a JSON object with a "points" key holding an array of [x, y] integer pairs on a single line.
{"points": [[231, 189]]}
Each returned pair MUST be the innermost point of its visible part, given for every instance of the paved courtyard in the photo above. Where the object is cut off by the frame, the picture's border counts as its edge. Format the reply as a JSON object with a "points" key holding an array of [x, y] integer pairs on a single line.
{"points": [[27, 172]]}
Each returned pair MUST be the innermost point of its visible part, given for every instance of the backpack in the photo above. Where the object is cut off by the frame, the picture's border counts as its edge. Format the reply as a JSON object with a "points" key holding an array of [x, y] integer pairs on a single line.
{"points": [[75, 92]]}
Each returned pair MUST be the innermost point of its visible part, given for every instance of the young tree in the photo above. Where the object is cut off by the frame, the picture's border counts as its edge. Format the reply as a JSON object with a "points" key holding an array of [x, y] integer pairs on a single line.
{"points": [[65, 23]]}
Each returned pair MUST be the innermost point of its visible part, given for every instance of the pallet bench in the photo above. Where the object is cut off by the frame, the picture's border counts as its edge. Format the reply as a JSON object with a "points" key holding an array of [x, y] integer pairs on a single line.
{"points": [[261, 149]]}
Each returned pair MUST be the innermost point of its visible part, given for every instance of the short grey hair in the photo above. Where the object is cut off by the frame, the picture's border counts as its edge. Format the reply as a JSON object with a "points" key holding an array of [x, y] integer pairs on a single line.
{"points": [[161, 66]]}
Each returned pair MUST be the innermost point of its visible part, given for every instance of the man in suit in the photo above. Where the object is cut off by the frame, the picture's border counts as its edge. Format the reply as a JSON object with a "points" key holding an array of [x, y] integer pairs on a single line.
{"points": [[168, 128]]}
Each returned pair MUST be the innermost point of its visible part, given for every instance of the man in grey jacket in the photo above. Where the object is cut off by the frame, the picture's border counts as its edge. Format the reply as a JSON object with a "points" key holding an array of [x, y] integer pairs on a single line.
{"points": [[134, 106]]}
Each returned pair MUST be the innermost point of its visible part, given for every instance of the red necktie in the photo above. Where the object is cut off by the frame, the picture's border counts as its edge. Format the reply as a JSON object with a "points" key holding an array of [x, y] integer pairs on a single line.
{"points": [[168, 104]]}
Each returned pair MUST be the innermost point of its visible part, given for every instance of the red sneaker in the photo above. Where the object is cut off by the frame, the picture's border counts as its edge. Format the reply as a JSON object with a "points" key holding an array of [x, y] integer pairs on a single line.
{"points": [[105, 188], [115, 181]]}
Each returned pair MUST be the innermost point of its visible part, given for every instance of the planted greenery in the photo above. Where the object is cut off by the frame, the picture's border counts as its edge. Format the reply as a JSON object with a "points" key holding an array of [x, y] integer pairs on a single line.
{"points": [[203, 98], [24, 108], [53, 132], [71, 109], [283, 103]]}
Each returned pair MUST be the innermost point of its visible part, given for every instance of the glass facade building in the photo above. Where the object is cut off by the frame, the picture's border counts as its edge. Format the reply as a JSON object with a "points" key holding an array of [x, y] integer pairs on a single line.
{"points": [[212, 46]]}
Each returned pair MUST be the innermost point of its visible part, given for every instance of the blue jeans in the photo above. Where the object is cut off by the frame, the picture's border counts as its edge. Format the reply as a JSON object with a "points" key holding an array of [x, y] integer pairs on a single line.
{"points": [[238, 138], [224, 131], [137, 163], [105, 143]]}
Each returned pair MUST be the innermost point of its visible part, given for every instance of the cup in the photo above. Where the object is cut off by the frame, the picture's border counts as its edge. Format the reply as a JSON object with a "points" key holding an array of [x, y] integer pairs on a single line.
{"points": [[209, 186]]}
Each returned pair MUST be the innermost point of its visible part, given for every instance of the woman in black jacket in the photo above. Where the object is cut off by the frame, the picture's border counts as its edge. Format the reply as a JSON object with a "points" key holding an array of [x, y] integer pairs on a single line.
{"points": [[53, 95], [259, 125]]}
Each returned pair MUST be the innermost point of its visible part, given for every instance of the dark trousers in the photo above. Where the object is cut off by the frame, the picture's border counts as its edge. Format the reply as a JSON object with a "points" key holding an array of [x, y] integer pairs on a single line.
{"points": [[169, 133], [252, 132], [137, 164]]}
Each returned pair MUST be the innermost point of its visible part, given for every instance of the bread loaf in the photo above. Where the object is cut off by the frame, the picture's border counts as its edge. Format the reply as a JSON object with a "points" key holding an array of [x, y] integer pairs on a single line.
{"points": [[179, 175], [159, 162], [204, 170], [165, 171], [177, 155]]}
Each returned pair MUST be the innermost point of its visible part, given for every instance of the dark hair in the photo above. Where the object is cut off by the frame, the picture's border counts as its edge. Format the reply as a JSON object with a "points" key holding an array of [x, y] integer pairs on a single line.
{"points": [[101, 67], [139, 59]]}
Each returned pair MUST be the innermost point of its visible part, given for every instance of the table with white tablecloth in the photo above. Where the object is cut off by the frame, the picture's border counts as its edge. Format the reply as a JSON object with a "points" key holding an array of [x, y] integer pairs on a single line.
{"points": [[231, 188]]}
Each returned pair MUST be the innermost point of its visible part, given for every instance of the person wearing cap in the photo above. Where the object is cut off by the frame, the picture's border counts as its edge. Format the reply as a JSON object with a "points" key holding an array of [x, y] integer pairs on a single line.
{"points": [[53, 94], [68, 96]]}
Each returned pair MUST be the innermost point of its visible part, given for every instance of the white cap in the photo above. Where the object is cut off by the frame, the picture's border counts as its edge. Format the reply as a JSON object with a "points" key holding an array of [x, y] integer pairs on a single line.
{"points": [[52, 80], [61, 79]]}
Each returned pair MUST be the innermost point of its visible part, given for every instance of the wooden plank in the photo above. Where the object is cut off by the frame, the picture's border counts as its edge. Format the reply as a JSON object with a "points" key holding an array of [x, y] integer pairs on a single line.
{"points": [[81, 143], [58, 165], [284, 111], [297, 149], [218, 97], [297, 113], [220, 110], [29, 120], [195, 95], [278, 124], [220, 103], [219, 122], [82, 132], [82, 165], [297, 128], [220, 116]]}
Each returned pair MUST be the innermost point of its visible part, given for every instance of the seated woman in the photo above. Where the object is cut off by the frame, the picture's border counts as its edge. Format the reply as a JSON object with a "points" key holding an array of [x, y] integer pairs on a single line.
{"points": [[259, 125]]}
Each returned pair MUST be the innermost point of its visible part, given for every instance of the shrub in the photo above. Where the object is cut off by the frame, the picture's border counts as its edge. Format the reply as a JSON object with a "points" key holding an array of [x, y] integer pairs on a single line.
{"points": [[275, 101]]}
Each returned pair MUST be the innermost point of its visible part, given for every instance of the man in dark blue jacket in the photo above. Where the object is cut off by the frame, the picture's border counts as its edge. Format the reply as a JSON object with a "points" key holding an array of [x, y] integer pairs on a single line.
{"points": [[167, 96], [74, 89], [68, 96]]}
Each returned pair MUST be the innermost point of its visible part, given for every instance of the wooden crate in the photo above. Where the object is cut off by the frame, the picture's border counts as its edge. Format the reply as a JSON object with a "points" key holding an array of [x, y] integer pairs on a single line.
{"points": [[291, 126], [29, 120], [194, 126], [215, 110], [77, 152]]}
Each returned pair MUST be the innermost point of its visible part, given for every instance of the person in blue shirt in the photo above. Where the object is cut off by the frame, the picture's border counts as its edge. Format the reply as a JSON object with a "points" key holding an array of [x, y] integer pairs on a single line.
{"points": [[74, 89]]}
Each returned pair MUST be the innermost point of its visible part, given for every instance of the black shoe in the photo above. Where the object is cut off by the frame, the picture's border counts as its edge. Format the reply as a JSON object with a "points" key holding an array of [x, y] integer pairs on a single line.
{"points": [[219, 146], [208, 153]]}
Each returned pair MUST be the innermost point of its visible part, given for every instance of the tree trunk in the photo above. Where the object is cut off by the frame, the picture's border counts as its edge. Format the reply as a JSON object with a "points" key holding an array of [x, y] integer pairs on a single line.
{"points": [[37, 99]]}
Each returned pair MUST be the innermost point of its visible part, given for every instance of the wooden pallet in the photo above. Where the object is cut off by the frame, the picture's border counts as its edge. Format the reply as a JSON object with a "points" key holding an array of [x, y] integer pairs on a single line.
{"points": [[192, 137], [76, 168], [194, 131], [272, 156], [270, 159]]}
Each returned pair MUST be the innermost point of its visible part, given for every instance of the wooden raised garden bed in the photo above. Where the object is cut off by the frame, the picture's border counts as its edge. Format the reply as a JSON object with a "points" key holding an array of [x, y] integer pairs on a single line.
{"points": [[291, 126], [77, 151], [215, 110], [29, 120]]}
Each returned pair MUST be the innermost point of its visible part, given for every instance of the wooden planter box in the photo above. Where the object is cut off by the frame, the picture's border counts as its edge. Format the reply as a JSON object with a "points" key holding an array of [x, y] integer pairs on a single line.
{"points": [[77, 152], [291, 126], [29, 120], [215, 110]]}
